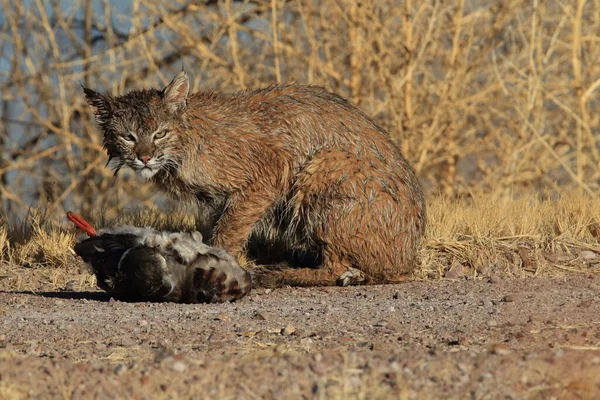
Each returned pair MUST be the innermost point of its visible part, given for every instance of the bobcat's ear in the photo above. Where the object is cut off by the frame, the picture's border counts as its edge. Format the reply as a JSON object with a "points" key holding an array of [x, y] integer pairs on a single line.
{"points": [[99, 103], [175, 95]]}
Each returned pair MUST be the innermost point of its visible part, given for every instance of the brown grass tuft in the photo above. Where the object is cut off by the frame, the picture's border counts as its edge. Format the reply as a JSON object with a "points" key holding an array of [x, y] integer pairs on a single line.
{"points": [[4, 247], [492, 99], [478, 236], [39, 242], [495, 235]]}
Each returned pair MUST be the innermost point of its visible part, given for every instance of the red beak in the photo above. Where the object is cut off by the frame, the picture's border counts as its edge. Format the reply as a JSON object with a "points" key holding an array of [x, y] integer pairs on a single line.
{"points": [[81, 223]]}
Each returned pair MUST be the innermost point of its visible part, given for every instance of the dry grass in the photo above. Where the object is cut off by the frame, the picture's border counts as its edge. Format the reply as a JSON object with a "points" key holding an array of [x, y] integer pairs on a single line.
{"points": [[479, 236], [497, 235], [36, 241], [487, 97], [44, 247], [481, 95]]}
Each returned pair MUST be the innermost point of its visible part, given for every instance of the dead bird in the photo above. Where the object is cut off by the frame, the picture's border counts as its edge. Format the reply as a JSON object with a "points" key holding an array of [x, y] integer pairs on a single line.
{"points": [[145, 264]]}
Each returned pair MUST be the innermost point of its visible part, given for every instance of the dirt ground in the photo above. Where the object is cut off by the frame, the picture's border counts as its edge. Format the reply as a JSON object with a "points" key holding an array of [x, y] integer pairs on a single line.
{"points": [[480, 339]]}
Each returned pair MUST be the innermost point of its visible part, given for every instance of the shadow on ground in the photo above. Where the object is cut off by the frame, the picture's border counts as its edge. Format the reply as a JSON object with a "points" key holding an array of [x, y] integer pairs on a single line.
{"points": [[95, 296]]}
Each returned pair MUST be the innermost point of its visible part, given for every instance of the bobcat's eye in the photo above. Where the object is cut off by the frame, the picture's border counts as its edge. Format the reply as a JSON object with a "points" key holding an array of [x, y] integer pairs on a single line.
{"points": [[161, 134], [129, 138]]}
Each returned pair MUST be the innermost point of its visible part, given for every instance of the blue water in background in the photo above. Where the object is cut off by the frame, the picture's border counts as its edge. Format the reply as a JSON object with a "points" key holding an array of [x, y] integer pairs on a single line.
{"points": [[18, 126]]}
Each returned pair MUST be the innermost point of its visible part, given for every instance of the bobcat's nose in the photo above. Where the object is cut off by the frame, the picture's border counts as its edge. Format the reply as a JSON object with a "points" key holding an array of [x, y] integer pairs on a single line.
{"points": [[145, 159]]}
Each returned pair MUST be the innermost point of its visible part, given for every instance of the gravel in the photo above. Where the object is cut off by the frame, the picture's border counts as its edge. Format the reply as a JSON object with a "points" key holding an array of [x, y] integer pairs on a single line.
{"points": [[505, 338]]}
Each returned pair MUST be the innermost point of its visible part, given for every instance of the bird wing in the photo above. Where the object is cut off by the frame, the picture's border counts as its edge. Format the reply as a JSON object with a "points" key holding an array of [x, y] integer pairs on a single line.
{"points": [[103, 253], [216, 279], [104, 246], [215, 274]]}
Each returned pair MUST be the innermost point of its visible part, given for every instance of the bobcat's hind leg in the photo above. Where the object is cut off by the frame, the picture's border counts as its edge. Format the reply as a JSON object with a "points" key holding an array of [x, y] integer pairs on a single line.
{"points": [[328, 274], [363, 213]]}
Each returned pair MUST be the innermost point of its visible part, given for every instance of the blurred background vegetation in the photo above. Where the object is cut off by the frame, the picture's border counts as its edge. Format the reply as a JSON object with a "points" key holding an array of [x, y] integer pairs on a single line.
{"points": [[482, 95]]}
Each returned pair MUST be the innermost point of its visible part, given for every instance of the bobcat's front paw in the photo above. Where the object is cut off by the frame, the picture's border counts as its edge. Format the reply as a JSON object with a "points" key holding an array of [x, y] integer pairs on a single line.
{"points": [[352, 276]]}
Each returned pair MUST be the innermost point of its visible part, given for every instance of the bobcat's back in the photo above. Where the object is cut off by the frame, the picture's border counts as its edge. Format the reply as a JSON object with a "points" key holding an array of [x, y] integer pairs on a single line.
{"points": [[296, 169]]}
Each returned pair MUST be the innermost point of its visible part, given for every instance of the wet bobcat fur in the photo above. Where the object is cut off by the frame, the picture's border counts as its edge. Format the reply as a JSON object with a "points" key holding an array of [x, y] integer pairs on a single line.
{"points": [[279, 170]]}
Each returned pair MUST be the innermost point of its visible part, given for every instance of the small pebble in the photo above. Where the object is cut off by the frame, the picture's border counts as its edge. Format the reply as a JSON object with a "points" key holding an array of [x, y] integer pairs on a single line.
{"points": [[534, 318], [163, 355], [501, 349], [128, 341], [179, 366], [455, 272], [288, 330], [509, 298], [485, 376], [377, 346], [588, 255], [259, 315], [483, 270], [120, 369], [143, 322], [222, 317], [559, 353]]}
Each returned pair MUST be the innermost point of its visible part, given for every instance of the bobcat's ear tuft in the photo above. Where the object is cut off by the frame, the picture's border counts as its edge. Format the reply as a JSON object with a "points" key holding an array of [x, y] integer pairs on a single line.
{"points": [[99, 103], [175, 95]]}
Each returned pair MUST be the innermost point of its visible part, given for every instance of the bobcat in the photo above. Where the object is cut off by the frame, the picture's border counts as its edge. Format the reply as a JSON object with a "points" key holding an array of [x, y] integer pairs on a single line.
{"points": [[281, 173]]}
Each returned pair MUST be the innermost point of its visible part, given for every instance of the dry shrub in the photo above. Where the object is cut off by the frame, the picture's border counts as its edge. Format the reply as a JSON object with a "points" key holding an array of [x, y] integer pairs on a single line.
{"points": [[37, 241], [4, 245], [481, 215], [497, 235], [481, 96], [480, 235], [152, 217], [494, 98]]}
